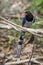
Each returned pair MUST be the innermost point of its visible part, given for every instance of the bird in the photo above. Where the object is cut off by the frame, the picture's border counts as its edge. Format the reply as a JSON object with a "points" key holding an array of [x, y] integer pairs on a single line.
{"points": [[27, 21]]}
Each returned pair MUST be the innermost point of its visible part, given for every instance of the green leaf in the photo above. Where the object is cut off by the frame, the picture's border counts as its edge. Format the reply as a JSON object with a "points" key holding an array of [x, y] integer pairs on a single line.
{"points": [[38, 2], [41, 10]]}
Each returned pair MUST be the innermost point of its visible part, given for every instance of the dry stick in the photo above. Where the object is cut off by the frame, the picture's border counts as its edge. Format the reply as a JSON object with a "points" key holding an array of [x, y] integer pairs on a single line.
{"points": [[20, 28], [23, 28], [5, 26], [22, 61]]}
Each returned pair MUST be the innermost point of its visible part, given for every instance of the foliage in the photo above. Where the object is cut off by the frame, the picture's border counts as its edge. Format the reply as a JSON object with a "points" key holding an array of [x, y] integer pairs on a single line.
{"points": [[37, 5], [38, 2], [36, 25]]}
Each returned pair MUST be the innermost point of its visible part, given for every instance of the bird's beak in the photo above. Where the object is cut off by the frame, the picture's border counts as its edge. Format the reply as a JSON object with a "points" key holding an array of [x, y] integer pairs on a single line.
{"points": [[24, 14]]}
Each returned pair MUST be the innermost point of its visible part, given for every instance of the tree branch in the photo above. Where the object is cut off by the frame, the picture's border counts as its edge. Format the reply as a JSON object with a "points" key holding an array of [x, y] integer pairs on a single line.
{"points": [[37, 32]]}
